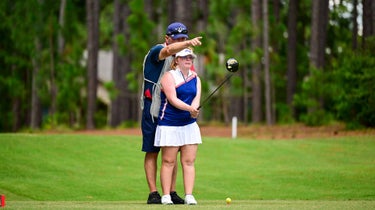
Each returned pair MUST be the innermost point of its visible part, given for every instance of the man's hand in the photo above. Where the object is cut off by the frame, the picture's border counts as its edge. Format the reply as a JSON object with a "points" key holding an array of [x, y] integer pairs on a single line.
{"points": [[196, 41]]}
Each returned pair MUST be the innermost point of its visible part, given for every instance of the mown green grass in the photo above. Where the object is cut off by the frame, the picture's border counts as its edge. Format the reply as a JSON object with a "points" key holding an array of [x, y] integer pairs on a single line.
{"points": [[205, 205], [78, 171]]}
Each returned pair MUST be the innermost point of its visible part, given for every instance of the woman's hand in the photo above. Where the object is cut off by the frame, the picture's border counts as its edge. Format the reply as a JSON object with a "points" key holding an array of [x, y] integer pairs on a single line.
{"points": [[194, 112]]}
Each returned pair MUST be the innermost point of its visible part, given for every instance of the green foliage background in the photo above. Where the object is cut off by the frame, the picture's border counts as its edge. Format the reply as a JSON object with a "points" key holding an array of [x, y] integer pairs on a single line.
{"points": [[344, 84]]}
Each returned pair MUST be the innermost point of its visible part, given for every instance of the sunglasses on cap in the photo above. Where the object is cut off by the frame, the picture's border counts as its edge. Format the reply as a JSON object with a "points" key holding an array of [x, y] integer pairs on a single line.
{"points": [[188, 57], [177, 31]]}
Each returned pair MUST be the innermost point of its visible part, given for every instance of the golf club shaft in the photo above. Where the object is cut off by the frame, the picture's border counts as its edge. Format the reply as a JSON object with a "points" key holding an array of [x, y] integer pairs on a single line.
{"points": [[221, 84]]}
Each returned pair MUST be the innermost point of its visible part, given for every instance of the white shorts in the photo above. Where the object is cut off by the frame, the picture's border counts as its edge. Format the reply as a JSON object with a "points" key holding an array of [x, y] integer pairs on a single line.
{"points": [[177, 135]]}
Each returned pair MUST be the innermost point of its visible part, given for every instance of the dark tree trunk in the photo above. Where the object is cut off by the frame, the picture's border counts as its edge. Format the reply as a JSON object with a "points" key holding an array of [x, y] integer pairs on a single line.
{"points": [[318, 41], [16, 111], [116, 71], [92, 12], [291, 57], [267, 74], [181, 11], [256, 43], [130, 102], [319, 33], [355, 25], [276, 10], [203, 13], [53, 90], [61, 40], [246, 75], [35, 118], [122, 106], [368, 20]]}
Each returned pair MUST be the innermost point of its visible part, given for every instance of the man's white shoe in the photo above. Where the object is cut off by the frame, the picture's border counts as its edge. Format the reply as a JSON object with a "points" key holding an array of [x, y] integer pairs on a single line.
{"points": [[166, 200], [190, 200]]}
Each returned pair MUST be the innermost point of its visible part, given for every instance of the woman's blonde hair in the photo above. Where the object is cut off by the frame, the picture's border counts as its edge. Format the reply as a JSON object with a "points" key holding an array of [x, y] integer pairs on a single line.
{"points": [[174, 62]]}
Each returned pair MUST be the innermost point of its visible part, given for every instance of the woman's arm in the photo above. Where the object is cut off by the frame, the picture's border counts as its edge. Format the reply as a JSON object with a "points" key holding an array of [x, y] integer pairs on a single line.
{"points": [[197, 99], [169, 88]]}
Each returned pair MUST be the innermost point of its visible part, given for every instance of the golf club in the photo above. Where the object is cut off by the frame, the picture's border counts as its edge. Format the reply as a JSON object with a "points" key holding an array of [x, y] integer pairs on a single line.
{"points": [[232, 66]]}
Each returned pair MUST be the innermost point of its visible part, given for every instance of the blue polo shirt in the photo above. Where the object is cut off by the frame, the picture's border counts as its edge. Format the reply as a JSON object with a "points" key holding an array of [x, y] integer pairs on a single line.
{"points": [[153, 66]]}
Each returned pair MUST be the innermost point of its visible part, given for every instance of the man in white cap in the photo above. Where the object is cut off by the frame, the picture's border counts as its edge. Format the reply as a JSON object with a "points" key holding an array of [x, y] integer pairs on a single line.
{"points": [[156, 62]]}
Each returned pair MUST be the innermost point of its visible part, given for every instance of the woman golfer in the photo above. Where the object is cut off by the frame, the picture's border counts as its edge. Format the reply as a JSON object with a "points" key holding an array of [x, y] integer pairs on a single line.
{"points": [[177, 128]]}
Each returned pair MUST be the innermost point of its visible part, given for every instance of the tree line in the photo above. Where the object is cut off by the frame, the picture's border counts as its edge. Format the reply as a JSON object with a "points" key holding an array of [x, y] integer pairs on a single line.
{"points": [[300, 60]]}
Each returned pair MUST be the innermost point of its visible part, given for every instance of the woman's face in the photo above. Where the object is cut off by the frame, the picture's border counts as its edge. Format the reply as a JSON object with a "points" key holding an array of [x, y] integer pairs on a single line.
{"points": [[185, 62]]}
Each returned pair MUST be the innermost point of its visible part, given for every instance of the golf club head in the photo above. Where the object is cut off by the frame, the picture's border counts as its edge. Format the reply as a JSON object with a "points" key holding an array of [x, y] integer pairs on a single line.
{"points": [[232, 65]]}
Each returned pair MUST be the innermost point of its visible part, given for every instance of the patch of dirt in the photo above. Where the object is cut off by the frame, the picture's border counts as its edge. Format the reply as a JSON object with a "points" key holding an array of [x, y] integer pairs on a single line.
{"points": [[255, 132]]}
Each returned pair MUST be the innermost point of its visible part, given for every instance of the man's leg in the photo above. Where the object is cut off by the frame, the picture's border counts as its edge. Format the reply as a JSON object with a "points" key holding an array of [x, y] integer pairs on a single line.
{"points": [[150, 165], [148, 127]]}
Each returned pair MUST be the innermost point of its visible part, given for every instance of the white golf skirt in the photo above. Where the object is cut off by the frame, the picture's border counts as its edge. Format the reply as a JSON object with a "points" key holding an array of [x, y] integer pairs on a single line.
{"points": [[177, 135]]}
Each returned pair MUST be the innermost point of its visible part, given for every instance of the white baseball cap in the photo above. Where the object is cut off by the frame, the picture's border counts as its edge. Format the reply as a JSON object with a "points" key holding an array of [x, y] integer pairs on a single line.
{"points": [[185, 52]]}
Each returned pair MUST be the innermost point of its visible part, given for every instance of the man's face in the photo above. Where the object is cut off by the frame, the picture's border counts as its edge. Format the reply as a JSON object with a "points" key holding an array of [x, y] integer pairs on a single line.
{"points": [[169, 40]]}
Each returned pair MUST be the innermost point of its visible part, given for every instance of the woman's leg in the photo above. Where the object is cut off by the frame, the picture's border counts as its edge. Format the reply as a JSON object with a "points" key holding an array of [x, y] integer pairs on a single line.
{"points": [[188, 154], [169, 155]]}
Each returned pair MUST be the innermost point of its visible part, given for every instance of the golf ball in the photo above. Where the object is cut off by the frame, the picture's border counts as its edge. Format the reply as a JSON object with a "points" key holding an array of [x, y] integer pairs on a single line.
{"points": [[228, 200]]}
